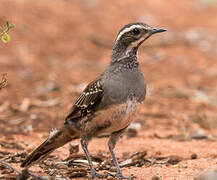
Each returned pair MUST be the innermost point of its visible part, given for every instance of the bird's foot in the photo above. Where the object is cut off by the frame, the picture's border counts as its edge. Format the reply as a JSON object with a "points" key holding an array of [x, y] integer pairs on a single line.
{"points": [[120, 176], [96, 176]]}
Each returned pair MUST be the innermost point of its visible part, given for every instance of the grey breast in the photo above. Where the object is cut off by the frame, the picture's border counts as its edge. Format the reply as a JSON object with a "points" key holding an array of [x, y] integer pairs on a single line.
{"points": [[122, 84]]}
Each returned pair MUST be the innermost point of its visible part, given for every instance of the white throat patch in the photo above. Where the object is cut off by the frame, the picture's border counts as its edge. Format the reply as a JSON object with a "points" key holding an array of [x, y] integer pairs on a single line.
{"points": [[135, 44]]}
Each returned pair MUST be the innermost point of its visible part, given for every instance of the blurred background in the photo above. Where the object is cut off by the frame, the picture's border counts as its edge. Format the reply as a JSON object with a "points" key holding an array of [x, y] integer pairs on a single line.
{"points": [[58, 46]]}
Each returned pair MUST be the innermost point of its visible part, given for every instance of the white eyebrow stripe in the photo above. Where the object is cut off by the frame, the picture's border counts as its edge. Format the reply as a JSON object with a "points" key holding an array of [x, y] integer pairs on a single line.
{"points": [[127, 30]]}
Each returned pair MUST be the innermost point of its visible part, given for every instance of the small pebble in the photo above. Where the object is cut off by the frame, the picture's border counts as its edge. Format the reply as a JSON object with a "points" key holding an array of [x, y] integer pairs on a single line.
{"points": [[155, 177], [73, 148], [208, 174], [110, 178], [194, 156], [133, 129], [51, 86], [33, 116]]}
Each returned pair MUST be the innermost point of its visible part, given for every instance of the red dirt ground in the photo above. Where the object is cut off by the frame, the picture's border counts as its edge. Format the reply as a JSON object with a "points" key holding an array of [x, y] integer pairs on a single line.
{"points": [[58, 46]]}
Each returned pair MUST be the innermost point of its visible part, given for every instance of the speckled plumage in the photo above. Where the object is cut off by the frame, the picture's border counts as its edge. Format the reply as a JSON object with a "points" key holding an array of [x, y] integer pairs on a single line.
{"points": [[108, 104]]}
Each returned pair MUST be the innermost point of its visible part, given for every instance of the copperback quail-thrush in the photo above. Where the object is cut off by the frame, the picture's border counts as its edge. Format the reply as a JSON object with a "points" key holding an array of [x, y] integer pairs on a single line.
{"points": [[108, 104]]}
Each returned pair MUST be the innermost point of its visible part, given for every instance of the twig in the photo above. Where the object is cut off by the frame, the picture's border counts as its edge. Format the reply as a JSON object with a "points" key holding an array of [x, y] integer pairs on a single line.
{"points": [[24, 174], [38, 177], [3, 82], [9, 166]]}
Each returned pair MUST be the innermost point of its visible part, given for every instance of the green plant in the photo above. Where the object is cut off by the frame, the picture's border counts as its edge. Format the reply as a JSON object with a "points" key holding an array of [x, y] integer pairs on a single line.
{"points": [[5, 37]]}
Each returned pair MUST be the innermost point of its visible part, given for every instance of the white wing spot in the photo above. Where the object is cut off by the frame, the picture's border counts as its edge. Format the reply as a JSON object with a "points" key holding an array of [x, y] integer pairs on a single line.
{"points": [[53, 132]]}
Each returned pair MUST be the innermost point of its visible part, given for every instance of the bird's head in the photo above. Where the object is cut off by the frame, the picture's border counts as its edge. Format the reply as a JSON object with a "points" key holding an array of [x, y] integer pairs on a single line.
{"points": [[132, 36]]}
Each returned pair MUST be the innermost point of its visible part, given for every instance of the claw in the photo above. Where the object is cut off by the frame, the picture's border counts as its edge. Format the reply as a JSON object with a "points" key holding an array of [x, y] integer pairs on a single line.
{"points": [[96, 176], [120, 176]]}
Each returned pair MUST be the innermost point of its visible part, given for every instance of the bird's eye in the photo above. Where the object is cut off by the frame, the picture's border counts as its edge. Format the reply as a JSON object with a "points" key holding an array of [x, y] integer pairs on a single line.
{"points": [[136, 31]]}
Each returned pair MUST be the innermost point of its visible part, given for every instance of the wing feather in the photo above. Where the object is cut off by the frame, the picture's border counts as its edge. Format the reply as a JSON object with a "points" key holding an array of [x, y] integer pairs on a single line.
{"points": [[87, 102]]}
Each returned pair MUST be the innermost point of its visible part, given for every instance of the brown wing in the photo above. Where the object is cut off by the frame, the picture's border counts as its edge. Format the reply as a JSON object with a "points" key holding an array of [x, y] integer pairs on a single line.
{"points": [[87, 101]]}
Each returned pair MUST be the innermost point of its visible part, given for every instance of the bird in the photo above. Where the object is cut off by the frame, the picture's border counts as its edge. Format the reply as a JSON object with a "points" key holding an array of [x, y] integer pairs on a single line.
{"points": [[108, 104]]}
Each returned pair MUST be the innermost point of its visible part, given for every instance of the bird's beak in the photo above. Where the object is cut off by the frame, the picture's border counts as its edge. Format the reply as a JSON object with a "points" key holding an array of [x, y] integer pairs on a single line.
{"points": [[157, 30], [152, 31]]}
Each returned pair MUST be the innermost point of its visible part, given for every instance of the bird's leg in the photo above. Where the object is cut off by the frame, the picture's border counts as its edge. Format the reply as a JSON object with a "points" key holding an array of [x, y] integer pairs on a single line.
{"points": [[111, 144], [84, 144]]}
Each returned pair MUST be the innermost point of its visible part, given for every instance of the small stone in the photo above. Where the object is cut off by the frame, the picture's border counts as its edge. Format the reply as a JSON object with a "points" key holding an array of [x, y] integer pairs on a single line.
{"points": [[205, 4], [51, 87], [210, 174], [155, 177], [173, 160], [133, 129], [110, 177], [25, 105], [192, 36], [73, 148], [33, 116], [194, 156], [198, 134]]}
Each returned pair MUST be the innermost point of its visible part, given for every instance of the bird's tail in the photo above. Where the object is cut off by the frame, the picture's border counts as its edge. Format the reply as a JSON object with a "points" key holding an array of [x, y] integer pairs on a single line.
{"points": [[56, 139]]}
